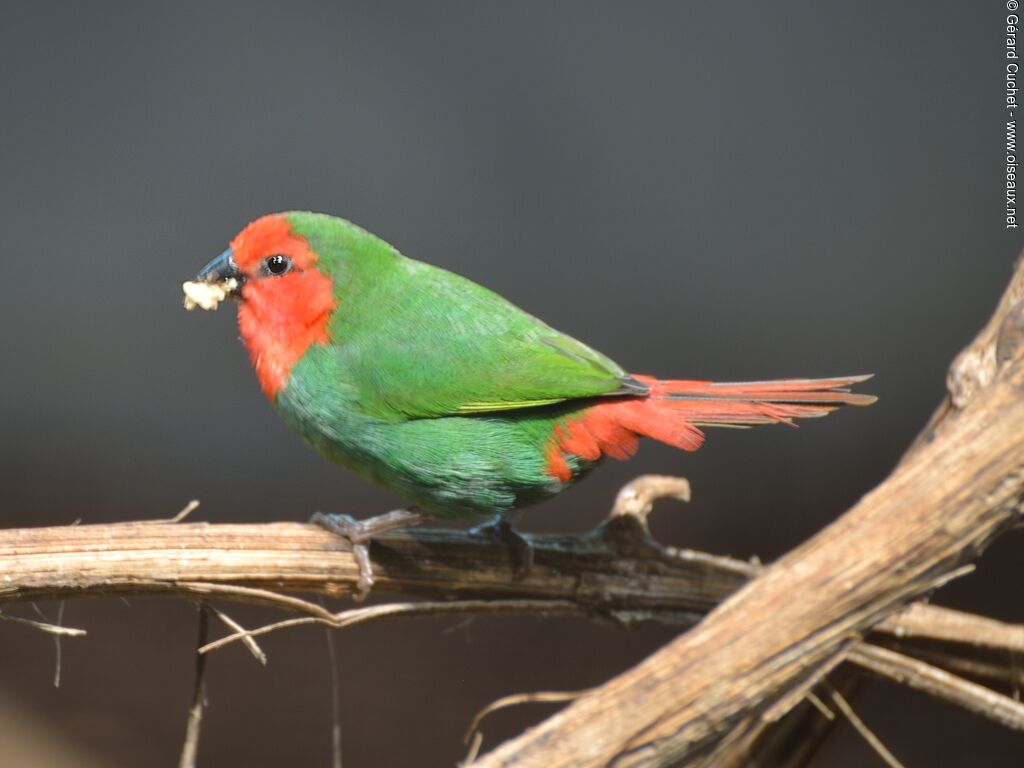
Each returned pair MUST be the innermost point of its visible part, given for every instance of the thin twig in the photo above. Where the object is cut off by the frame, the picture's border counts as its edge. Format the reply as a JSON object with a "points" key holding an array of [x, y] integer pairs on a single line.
{"points": [[332, 668], [250, 643], [396, 610], [921, 620], [335, 701], [254, 595], [58, 648], [44, 626], [995, 671], [866, 733], [474, 750], [538, 697], [941, 684], [250, 633], [190, 747], [820, 705]]}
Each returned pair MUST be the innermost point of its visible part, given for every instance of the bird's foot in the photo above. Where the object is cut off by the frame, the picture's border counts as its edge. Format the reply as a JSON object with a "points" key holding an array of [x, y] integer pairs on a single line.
{"points": [[358, 534], [500, 530]]}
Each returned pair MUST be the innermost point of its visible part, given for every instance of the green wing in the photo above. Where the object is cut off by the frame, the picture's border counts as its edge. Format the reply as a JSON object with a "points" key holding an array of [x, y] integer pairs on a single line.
{"points": [[418, 342]]}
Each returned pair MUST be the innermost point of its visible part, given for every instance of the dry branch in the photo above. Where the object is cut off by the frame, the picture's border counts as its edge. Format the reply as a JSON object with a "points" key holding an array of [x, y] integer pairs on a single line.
{"points": [[956, 491], [616, 572], [607, 570]]}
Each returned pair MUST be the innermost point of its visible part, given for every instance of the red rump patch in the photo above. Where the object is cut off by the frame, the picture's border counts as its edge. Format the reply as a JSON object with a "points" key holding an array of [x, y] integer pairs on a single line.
{"points": [[614, 428], [280, 317]]}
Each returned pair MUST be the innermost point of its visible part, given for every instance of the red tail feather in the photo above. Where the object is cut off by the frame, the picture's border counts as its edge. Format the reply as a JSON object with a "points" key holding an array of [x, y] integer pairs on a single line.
{"points": [[673, 410]]}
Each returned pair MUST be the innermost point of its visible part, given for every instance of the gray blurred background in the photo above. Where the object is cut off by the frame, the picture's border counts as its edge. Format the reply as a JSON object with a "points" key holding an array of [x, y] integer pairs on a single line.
{"points": [[742, 190]]}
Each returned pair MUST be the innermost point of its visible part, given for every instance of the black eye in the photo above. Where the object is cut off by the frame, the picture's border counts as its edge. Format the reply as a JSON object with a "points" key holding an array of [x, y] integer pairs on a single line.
{"points": [[277, 264]]}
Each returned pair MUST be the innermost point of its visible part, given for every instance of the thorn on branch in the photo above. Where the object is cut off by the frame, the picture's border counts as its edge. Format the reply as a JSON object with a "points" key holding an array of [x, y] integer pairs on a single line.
{"points": [[187, 510]]}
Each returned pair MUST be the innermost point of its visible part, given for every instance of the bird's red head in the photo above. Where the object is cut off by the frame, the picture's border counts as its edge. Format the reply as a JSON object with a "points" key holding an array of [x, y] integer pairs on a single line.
{"points": [[286, 301]]}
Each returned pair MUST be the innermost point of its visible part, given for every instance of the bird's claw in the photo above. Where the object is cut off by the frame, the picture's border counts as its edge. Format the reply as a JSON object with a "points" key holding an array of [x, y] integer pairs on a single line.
{"points": [[358, 533]]}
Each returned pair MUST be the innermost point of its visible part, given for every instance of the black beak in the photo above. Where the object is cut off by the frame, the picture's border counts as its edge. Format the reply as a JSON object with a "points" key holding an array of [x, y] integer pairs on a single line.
{"points": [[221, 269]]}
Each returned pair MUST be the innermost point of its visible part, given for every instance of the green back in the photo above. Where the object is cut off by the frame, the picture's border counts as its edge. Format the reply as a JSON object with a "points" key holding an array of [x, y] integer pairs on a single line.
{"points": [[416, 341]]}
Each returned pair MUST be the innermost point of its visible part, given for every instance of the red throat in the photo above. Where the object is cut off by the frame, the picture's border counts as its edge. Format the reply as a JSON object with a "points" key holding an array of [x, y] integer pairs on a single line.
{"points": [[280, 317]]}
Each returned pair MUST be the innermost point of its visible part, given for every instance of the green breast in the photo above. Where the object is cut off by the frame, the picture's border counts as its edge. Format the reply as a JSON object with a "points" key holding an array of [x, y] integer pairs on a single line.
{"points": [[453, 466]]}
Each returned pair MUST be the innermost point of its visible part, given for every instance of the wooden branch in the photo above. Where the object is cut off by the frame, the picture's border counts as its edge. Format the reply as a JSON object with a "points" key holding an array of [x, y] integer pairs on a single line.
{"points": [[973, 369], [613, 570], [616, 572], [768, 643]]}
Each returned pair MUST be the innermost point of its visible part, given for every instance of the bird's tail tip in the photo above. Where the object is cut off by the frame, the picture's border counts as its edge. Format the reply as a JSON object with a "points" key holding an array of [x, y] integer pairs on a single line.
{"points": [[834, 390], [748, 403]]}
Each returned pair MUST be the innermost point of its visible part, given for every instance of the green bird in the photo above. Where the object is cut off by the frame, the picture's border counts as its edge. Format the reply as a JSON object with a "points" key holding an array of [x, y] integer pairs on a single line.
{"points": [[430, 385]]}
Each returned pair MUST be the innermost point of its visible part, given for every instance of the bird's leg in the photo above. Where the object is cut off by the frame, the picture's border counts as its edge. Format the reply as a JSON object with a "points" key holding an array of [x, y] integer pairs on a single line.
{"points": [[501, 530], [358, 533]]}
